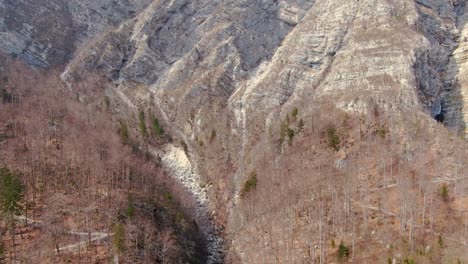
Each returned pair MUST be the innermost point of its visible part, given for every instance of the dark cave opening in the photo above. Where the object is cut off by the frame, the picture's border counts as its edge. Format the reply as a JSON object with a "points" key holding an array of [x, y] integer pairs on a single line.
{"points": [[437, 111], [440, 117]]}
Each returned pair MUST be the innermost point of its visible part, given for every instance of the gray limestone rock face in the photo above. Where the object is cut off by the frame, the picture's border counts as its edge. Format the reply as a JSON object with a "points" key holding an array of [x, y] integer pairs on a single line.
{"points": [[396, 56], [287, 49], [46, 33], [456, 94]]}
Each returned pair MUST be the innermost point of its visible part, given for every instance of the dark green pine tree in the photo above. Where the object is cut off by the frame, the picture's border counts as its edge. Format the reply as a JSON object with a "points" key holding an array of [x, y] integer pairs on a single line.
{"points": [[156, 126], [119, 238], [343, 252], [124, 132], [11, 196], [142, 123], [2, 252]]}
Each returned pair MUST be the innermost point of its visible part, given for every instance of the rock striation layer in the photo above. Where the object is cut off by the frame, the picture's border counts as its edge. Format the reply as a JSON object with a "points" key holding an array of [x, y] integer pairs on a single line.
{"points": [[46, 32], [459, 69]]}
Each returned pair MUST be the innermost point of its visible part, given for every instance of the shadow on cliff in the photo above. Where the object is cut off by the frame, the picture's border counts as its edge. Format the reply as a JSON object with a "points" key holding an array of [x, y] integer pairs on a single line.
{"points": [[437, 71]]}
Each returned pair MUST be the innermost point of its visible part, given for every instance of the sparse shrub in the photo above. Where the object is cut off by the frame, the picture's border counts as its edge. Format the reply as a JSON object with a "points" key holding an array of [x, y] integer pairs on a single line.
{"points": [[382, 132], [444, 192], [287, 120], [184, 146], [181, 220], [107, 102], [294, 113], [142, 123], [147, 155], [283, 132], [408, 261], [130, 211], [168, 196], [6, 96], [332, 138], [135, 148], [333, 243], [123, 131], [300, 126], [286, 131], [343, 252], [250, 184], [213, 135], [2, 252], [287, 127], [440, 241], [389, 260], [290, 134], [201, 143]]}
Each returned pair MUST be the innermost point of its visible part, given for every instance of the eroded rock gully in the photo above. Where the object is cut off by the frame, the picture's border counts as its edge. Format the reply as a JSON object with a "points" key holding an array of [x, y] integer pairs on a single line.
{"points": [[178, 164]]}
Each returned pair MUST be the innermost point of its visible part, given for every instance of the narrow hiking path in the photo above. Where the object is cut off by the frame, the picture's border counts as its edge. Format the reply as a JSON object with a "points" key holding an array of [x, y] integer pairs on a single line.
{"points": [[88, 237]]}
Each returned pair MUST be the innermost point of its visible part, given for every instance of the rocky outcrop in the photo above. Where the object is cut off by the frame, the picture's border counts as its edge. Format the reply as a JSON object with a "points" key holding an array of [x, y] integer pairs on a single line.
{"points": [[458, 71], [396, 56], [46, 33]]}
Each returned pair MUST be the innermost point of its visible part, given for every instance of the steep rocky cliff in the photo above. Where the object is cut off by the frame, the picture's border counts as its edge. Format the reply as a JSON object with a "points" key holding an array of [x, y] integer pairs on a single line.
{"points": [[46, 33], [458, 66], [254, 87]]}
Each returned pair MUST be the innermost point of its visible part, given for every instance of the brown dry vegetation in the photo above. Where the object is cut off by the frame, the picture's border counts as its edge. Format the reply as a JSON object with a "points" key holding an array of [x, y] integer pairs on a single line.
{"points": [[380, 193], [81, 178]]}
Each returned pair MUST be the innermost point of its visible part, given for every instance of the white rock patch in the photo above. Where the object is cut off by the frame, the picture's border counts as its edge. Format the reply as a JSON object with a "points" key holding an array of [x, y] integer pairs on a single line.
{"points": [[176, 161]]}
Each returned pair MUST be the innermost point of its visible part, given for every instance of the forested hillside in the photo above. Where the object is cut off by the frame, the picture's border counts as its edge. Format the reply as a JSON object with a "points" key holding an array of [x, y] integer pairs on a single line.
{"points": [[75, 186]]}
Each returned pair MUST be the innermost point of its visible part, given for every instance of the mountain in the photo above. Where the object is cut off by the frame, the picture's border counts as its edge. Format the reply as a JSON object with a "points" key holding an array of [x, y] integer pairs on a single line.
{"points": [[294, 124]]}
